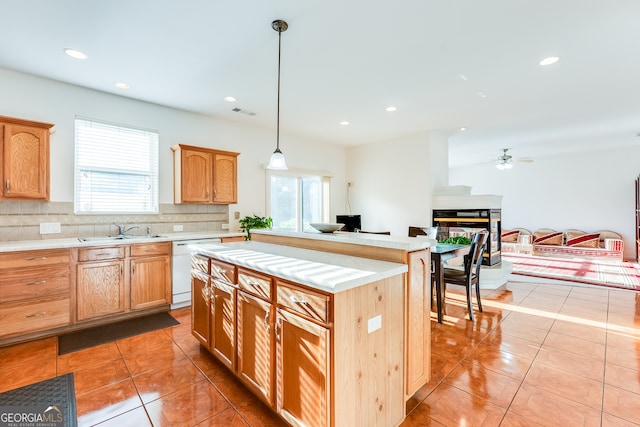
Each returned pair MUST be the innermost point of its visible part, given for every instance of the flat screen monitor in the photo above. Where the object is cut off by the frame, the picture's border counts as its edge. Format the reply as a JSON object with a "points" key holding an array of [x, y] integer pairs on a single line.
{"points": [[351, 222]]}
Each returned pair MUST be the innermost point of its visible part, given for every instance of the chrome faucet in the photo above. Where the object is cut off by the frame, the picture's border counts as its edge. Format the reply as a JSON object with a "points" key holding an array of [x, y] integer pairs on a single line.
{"points": [[122, 229]]}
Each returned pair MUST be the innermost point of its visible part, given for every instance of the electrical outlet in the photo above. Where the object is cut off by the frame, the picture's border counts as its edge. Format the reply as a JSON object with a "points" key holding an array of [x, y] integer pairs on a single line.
{"points": [[225, 226], [50, 228], [374, 323], [236, 215], [178, 227]]}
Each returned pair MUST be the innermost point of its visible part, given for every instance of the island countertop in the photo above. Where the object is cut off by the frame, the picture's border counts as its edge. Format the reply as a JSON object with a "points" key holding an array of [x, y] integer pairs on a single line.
{"points": [[408, 244], [319, 270]]}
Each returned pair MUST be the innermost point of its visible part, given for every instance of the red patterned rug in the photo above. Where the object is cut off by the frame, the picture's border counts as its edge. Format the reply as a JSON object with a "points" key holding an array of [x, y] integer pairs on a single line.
{"points": [[620, 274]]}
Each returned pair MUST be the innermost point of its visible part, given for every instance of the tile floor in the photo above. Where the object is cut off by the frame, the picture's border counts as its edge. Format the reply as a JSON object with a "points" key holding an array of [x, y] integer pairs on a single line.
{"points": [[540, 354]]}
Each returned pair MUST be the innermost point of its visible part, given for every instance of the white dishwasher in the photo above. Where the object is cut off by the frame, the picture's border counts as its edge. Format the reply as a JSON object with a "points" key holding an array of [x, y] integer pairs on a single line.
{"points": [[181, 270]]}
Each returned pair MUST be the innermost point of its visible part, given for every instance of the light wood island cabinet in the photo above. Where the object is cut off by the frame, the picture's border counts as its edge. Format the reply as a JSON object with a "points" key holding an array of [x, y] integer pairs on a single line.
{"points": [[24, 167], [417, 284], [204, 176], [314, 357]]}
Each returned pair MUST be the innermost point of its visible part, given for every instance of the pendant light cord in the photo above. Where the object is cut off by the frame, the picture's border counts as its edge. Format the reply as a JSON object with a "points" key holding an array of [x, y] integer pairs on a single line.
{"points": [[278, 110]]}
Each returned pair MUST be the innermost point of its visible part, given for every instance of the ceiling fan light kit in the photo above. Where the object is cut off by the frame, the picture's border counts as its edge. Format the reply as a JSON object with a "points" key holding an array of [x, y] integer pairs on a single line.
{"points": [[504, 161]]}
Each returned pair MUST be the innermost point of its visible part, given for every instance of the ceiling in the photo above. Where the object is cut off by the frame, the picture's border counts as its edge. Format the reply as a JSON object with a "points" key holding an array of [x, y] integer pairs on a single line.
{"points": [[445, 64]]}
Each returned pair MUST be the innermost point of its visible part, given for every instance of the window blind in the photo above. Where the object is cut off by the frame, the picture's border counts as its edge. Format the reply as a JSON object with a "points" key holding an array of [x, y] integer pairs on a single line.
{"points": [[116, 168]]}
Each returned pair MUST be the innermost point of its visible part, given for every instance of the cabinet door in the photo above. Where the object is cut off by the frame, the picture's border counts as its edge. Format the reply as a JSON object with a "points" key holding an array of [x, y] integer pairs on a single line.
{"points": [[200, 307], [150, 284], [100, 289], [224, 178], [418, 323], [25, 162], [223, 323], [302, 369], [196, 176], [255, 345]]}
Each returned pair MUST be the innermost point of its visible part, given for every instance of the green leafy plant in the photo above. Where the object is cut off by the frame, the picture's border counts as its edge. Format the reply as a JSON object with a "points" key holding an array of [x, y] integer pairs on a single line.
{"points": [[459, 240], [255, 221]]}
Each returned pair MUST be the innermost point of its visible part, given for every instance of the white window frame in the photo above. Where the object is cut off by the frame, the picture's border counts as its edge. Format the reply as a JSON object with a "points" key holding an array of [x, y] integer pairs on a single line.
{"points": [[124, 136], [325, 178]]}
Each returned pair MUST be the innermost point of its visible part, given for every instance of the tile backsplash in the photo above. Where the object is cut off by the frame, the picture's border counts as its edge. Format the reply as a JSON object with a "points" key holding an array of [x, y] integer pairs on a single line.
{"points": [[20, 220]]}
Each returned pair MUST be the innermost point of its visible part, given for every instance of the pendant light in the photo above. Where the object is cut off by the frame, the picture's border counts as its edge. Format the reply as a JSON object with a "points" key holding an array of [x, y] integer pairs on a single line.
{"points": [[277, 161]]}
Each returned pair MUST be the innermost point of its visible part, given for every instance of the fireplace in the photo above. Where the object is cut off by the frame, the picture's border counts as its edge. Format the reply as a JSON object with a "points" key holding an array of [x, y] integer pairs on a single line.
{"points": [[466, 222]]}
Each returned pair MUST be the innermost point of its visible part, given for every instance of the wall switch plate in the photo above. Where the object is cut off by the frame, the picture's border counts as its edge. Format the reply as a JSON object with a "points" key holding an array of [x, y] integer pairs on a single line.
{"points": [[178, 227], [50, 228], [374, 323], [225, 226]]}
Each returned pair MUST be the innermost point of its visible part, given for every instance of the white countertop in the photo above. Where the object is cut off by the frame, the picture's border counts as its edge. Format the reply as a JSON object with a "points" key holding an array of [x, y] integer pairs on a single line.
{"points": [[25, 245], [409, 244], [325, 271]]}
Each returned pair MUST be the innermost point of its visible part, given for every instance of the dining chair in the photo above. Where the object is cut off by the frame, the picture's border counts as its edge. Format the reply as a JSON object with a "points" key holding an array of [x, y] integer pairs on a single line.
{"points": [[470, 274]]}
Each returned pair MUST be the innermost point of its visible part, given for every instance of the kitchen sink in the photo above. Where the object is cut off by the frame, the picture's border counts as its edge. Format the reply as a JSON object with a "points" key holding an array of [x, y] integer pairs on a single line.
{"points": [[124, 237]]}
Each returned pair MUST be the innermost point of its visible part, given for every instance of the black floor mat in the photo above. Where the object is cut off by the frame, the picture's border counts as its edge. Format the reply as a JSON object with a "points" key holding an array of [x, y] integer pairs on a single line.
{"points": [[53, 400], [115, 331]]}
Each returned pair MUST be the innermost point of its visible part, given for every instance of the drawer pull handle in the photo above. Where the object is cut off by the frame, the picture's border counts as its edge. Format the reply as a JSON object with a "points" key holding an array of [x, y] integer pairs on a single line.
{"points": [[298, 301], [7, 186], [39, 282], [41, 313], [38, 258], [266, 317], [277, 328]]}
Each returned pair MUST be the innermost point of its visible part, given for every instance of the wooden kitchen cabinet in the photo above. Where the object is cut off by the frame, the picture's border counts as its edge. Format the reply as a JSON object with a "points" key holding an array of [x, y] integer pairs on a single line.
{"points": [[150, 275], [204, 176], [35, 292], [302, 367], [223, 322], [255, 344], [25, 159], [418, 321], [201, 307], [100, 282], [316, 358]]}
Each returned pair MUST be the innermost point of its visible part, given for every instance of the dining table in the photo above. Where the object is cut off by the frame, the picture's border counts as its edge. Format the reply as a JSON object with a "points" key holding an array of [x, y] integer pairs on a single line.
{"points": [[440, 254]]}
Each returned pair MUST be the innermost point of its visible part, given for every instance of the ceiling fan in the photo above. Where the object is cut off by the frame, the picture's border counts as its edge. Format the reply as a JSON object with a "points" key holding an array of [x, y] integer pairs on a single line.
{"points": [[505, 160]]}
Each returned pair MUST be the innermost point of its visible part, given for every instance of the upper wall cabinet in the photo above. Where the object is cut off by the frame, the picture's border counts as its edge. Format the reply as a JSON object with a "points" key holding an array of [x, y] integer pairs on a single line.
{"points": [[204, 176], [24, 166]]}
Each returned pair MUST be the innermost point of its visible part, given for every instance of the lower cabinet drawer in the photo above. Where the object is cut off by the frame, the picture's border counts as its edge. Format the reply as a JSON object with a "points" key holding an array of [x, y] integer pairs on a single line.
{"points": [[309, 304], [21, 284], [25, 318]]}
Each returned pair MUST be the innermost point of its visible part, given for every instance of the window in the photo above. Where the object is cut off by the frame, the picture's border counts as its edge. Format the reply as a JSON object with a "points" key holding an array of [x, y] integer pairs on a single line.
{"points": [[116, 169], [297, 199]]}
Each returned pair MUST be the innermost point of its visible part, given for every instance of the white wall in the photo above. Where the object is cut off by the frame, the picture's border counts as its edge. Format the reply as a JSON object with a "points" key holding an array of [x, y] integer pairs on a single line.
{"points": [[28, 97], [393, 181], [587, 191]]}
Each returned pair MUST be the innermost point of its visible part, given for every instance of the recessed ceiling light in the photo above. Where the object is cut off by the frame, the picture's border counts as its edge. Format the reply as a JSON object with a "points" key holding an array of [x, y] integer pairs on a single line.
{"points": [[344, 123], [550, 60], [482, 95], [391, 108], [122, 85], [230, 98], [462, 77], [75, 53], [462, 129]]}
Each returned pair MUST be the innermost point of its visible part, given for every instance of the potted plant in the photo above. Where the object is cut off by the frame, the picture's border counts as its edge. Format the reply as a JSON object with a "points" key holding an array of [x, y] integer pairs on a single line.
{"points": [[255, 221]]}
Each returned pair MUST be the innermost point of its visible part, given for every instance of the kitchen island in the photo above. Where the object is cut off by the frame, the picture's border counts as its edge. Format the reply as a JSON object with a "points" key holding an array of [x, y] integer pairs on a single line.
{"points": [[321, 338]]}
